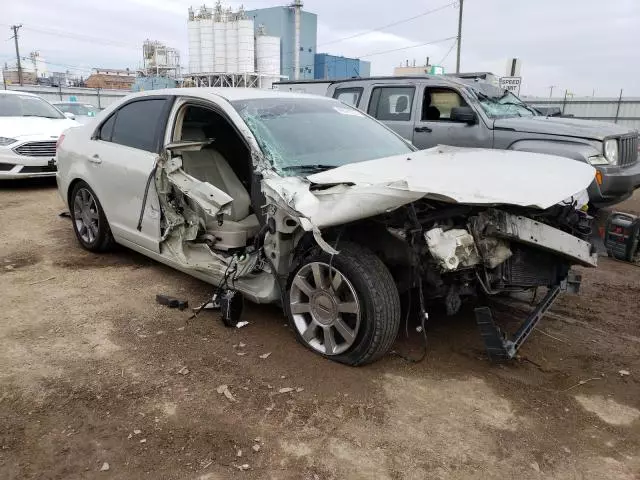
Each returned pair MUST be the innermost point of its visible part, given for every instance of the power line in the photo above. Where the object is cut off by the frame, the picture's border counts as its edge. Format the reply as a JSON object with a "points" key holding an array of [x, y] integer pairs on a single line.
{"points": [[448, 52], [384, 27]]}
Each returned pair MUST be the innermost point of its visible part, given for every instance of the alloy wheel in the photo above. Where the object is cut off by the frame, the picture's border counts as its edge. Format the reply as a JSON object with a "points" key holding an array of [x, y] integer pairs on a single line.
{"points": [[85, 215], [325, 308]]}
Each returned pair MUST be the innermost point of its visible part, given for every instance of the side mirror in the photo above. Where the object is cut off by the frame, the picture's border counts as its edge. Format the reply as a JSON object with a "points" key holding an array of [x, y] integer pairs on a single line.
{"points": [[464, 114], [70, 115]]}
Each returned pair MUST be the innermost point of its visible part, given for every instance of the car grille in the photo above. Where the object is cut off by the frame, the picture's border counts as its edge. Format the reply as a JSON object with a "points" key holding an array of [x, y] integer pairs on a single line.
{"points": [[5, 167], [628, 150], [36, 149]]}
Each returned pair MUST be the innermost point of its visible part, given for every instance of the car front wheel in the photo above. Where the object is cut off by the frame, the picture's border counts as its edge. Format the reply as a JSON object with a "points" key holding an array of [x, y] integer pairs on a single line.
{"points": [[89, 221], [345, 307]]}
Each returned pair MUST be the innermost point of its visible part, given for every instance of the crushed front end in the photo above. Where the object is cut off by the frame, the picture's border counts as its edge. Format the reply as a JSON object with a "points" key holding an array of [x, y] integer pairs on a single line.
{"points": [[462, 250]]}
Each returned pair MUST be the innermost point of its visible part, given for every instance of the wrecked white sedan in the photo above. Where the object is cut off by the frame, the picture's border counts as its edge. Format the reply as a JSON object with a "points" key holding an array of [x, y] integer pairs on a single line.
{"points": [[304, 201]]}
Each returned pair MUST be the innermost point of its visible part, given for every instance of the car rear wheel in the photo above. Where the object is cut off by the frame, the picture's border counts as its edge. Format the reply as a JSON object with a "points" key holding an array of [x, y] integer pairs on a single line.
{"points": [[89, 222], [344, 307]]}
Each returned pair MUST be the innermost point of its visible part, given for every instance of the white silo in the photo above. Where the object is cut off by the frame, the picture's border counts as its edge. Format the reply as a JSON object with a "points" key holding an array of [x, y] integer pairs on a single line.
{"points": [[246, 46], [206, 45], [193, 28], [267, 58], [231, 44], [219, 42]]}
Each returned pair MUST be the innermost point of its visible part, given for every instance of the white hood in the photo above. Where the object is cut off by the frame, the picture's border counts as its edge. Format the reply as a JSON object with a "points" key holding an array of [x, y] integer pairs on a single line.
{"points": [[471, 175], [18, 127], [449, 174]]}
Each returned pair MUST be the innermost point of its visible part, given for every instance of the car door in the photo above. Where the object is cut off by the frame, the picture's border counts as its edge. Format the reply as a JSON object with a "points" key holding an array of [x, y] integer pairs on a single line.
{"points": [[434, 125], [394, 106], [124, 153]]}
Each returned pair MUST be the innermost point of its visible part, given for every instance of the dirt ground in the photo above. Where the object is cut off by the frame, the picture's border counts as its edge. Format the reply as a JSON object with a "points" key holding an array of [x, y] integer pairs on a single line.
{"points": [[94, 372]]}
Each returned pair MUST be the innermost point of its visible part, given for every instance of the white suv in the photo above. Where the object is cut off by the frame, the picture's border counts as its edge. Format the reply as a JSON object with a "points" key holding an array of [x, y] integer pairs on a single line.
{"points": [[29, 129]]}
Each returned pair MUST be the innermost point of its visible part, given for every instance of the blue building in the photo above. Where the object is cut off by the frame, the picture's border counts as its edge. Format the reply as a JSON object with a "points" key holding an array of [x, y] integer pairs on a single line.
{"points": [[331, 67], [280, 22]]}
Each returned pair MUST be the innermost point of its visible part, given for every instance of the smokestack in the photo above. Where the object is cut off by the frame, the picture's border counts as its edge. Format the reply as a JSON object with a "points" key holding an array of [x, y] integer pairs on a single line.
{"points": [[297, 7]]}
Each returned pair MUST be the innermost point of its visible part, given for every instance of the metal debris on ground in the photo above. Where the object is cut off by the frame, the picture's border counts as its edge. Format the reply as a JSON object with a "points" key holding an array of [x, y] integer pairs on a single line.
{"points": [[172, 302], [243, 467], [581, 382], [256, 448], [285, 390], [241, 324], [143, 440], [183, 371], [239, 453], [42, 281], [105, 467], [265, 356], [624, 373], [224, 389], [137, 432]]}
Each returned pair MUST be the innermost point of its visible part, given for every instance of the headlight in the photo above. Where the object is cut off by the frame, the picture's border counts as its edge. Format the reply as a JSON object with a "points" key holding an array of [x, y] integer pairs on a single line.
{"points": [[4, 141], [611, 151]]}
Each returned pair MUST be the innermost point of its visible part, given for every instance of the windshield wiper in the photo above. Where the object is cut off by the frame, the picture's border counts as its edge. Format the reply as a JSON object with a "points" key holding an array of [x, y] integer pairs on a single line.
{"points": [[308, 168]]}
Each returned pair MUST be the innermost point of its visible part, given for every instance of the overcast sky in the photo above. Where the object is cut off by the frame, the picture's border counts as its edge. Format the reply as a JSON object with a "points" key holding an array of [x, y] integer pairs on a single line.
{"points": [[579, 45]]}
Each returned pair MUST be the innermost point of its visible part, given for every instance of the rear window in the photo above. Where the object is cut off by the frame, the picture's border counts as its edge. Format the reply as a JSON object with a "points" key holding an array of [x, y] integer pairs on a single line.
{"points": [[391, 103], [136, 124], [350, 96]]}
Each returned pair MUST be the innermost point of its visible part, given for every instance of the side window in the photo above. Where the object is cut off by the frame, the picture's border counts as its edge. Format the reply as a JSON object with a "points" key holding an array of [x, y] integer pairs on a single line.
{"points": [[137, 124], [350, 96], [391, 103], [107, 129], [438, 102]]}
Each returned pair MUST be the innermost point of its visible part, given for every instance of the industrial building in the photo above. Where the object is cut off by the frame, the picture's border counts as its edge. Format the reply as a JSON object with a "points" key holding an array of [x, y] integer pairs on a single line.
{"points": [[256, 48], [111, 78], [225, 50], [298, 32], [331, 67]]}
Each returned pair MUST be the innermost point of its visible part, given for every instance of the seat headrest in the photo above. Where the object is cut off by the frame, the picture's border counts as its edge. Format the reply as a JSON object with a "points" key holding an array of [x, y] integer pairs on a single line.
{"points": [[193, 134]]}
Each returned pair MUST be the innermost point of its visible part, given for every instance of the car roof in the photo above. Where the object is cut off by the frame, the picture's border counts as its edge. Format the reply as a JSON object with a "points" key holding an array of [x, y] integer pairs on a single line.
{"points": [[230, 94], [17, 92], [397, 79]]}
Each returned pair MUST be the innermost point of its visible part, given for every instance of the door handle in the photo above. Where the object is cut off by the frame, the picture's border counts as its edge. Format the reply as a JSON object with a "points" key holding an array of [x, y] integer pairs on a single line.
{"points": [[95, 158], [423, 129]]}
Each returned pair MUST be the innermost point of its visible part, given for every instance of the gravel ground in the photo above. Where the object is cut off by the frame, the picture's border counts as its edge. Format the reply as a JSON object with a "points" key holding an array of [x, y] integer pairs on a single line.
{"points": [[98, 381]]}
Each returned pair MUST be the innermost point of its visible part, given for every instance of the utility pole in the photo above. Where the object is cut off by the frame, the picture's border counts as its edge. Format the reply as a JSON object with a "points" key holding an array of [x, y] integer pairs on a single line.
{"points": [[15, 29], [459, 41], [551, 87]]}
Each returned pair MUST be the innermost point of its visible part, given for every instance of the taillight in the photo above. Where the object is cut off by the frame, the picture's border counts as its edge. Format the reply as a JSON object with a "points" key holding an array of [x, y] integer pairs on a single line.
{"points": [[59, 142]]}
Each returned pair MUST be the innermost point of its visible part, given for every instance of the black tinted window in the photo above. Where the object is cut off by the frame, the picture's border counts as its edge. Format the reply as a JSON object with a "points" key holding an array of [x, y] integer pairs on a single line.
{"points": [[391, 103], [107, 129], [137, 124]]}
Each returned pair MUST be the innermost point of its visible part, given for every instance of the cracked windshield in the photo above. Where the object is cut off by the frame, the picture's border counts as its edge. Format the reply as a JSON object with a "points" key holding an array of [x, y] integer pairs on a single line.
{"points": [[307, 134]]}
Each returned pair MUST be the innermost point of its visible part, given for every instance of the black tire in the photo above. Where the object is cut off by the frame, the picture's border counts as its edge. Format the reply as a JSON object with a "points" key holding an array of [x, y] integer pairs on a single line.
{"points": [[377, 296], [100, 240]]}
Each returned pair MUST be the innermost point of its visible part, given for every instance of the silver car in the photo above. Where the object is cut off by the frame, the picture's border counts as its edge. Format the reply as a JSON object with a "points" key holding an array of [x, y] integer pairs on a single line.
{"points": [[303, 201], [80, 112]]}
